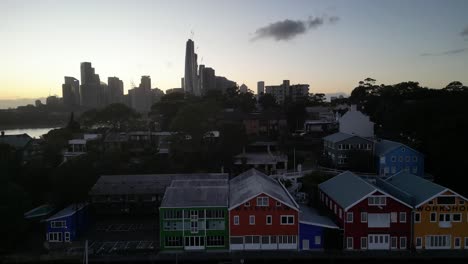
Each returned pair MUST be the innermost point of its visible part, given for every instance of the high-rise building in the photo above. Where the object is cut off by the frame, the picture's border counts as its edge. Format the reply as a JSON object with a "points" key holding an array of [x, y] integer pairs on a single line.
{"points": [[201, 68], [141, 98], [243, 88], [260, 88], [222, 84], [191, 76], [90, 88], [71, 92], [145, 82], [116, 90], [280, 92]]}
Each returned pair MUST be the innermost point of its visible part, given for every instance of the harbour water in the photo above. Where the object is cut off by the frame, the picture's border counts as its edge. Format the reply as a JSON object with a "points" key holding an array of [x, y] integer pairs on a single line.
{"points": [[32, 132]]}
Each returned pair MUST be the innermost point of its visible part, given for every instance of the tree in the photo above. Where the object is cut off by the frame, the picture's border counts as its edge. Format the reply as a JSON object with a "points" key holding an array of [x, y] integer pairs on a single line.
{"points": [[268, 102], [113, 115], [165, 110]]}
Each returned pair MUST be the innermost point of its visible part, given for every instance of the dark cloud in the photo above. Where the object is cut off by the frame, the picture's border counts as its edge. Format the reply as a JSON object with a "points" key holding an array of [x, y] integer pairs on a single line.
{"points": [[464, 33], [289, 29], [448, 52]]}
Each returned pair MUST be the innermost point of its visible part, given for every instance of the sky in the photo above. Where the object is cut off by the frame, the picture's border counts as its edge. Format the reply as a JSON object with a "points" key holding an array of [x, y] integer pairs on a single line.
{"points": [[330, 45]]}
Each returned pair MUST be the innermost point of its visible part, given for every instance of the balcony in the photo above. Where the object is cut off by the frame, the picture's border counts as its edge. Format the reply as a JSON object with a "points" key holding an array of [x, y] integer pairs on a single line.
{"points": [[445, 224]]}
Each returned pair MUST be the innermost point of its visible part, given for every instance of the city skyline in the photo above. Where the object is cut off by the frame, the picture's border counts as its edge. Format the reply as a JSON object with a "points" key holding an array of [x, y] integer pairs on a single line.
{"points": [[330, 45]]}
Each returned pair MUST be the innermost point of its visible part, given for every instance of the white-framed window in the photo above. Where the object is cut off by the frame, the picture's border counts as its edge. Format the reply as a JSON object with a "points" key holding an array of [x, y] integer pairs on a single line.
{"points": [[433, 217], [67, 236], [252, 220], [456, 217], [417, 217], [444, 217], [363, 217], [55, 236], [415, 158], [236, 220], [418, 242], [466, 242], [58, 224], [269, 220], [287, 220], [363, 242], [377, 200], [334, 209], [349, 243], [247, 204], [349, 217], [457, 242], [278, 204], [402, 217], [340, 213], [393, 217], [393, 242], [402, 242], [262, 201], [318, 240]]}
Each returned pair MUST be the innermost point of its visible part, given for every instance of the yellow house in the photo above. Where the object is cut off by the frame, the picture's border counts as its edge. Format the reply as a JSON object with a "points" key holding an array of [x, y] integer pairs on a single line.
{"points": [[440, 215]]}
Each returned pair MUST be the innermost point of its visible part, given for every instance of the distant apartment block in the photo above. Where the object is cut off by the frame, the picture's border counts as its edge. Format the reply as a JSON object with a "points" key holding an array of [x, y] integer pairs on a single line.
{"points": [[285, 90]]}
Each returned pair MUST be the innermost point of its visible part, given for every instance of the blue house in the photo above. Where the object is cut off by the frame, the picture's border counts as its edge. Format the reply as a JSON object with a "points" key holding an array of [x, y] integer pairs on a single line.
{"points": [[393, 157], [67, 224], [311, 229]]}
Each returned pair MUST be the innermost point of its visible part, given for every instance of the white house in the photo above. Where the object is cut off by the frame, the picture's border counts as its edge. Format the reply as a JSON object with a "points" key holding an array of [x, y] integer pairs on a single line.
{"points": [[354, 122]]}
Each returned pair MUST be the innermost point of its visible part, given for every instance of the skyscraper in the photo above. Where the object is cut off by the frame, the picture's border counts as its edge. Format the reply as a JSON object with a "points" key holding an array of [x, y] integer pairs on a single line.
{"points": [[260, 87], [90, 89], [141, 98], [191, 77], [71, 92], [116, 88]]}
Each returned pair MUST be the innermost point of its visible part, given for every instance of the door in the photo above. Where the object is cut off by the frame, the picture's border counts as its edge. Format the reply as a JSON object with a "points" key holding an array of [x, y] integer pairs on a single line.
{"points": [[305, 244], [378, 241], [194, 243]]}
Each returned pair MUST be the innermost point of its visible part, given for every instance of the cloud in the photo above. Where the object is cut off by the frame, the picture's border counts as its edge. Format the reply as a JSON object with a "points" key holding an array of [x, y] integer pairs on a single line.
{"points": [[448, 52], [288, 29], [464, 33]]}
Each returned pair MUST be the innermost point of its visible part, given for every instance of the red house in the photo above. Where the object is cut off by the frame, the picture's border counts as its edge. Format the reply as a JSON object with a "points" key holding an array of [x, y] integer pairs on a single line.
{"points": [[371, 219], [262, 214]]}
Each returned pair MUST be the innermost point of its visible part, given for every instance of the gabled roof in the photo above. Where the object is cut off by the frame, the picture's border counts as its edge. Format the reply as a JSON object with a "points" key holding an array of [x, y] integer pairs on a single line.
{"points": [[310, 216], [339, 136], [40, 211], [420, 189], [347, 188], [68, 211], [17, 141], [196, 193], [251, 183], [385, 146]]}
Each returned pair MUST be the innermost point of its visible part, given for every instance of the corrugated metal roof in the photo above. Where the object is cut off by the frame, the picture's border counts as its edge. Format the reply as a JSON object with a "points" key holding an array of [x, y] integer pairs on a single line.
{"points": [[337, 137], [144, 183], [69, 210], [196, 193], [346, 188], [251, 183], [311, 216], [16, 141], [419, 188]]}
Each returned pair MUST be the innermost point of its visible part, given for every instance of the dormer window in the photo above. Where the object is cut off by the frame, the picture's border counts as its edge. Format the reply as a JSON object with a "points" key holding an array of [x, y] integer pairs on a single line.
{"points": [[278, 204], [247, 204]]}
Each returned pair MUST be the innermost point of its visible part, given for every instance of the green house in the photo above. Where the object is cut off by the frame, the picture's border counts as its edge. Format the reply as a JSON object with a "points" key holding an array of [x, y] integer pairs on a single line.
{"points": [[194, 216]]}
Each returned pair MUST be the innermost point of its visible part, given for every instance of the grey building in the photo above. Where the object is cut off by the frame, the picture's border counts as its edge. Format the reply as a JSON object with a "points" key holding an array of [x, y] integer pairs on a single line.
{"points": [[116, 90], [90, 89], [340, 147], [284, 90], [71, 92]]}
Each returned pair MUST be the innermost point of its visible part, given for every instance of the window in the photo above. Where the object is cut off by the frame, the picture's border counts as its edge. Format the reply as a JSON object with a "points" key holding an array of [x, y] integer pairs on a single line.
{"points": [[447, 200], [400, 158], [215, 240], [456, 217], [415, 158], [417, 217], [194, 227], [67, 236], [58, 224], [287, 219], [252, 220], [278, 204], [363, 242], [318, 240], [403, 149], [431, 202], [419, 242], [402, 242], [433, 217], [247, 204], [334, 209], [466, 242], [262, 201], [407, 159], [236, 220], [438, 241], [393, 243], [340, 213], [268, 219], [462, 202], [55, 237], [393, 217], [402, 217], [377, 200], [349, 217], [173, 241], [363, 217], [349, 243], [457, 242], [393, 158], [237, 240], [444, 217]]}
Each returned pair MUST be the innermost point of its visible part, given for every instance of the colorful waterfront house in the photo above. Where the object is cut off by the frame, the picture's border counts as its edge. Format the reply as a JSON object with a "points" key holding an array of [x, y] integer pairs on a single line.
{"points": [[393, 157], [68, 224], [193, 215], [371, 218], [312, 229], [440, 219], [262, 214]]}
